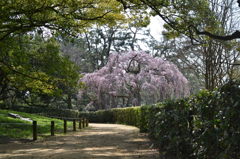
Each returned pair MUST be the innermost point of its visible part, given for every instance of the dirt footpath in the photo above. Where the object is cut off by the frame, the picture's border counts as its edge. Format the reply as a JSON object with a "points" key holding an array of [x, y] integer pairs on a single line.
{"points": [[98, 141]]}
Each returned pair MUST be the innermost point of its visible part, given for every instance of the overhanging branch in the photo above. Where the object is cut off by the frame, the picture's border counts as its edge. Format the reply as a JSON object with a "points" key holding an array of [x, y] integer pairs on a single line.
{"points": [[232, 36]]}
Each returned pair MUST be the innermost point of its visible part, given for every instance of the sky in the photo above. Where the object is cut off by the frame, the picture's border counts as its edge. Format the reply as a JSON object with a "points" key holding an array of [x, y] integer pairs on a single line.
{"points": [[156, 27]]}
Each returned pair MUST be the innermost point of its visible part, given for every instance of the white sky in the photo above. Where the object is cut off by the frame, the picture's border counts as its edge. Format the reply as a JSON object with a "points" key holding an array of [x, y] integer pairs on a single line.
{"points": [[156, 27]]}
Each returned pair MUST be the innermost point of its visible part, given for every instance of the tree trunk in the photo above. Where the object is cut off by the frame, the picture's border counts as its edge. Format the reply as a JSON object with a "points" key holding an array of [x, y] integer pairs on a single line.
{"points": [[69, 102]]}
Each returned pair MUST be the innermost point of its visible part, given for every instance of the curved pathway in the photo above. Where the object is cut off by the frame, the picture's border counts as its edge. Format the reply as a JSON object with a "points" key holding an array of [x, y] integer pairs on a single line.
{"points": [[98, 141]]}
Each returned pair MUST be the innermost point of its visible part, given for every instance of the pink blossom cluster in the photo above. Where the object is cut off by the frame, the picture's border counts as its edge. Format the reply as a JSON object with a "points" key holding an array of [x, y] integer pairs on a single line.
{"points": [[134, 78]]}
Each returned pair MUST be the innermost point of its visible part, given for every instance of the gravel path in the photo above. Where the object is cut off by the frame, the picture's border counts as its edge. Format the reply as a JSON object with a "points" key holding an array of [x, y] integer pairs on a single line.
{"points": [[98, 141]]}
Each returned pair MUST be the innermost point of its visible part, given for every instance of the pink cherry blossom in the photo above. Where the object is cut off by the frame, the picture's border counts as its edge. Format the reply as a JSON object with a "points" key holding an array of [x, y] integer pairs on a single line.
{"points": [[134, 78]]}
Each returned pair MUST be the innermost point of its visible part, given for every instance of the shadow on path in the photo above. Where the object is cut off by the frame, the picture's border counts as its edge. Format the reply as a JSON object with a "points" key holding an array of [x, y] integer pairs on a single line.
{"points": [[99, 141]]}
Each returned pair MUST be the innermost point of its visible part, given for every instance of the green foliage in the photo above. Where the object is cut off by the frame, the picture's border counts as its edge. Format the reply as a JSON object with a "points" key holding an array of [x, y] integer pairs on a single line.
{"points": [[25, 131], [67, 16], [46, 111], [128, 116], [216, 123], [173, 128], [101, 116], [205, 126], [184, 17], [33, 66]]}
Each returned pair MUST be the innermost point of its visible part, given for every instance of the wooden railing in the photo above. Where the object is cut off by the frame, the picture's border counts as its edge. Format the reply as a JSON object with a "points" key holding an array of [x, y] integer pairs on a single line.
{"points": [[82, 123]]}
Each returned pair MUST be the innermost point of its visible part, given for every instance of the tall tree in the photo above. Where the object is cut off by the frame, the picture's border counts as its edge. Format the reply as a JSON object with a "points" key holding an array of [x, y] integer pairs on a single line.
{"points": [[210, 60], [25, 66], [92, 49], [34, 66], [133, 78]]}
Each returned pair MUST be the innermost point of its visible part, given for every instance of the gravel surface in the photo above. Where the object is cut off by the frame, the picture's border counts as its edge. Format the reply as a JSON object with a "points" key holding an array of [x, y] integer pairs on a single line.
{"points": [[98, 141]]}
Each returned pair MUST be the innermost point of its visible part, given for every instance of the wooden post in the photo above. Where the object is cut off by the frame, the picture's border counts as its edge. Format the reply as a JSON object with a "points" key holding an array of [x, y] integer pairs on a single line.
{"points": [[83, 123], [65, 126], [87, 122], [34, 126], [80, 123], [52, 128], [74, 125]]}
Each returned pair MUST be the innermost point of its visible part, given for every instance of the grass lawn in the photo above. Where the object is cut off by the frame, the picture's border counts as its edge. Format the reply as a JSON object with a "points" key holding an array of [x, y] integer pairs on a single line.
{"points": [[25, 131]]}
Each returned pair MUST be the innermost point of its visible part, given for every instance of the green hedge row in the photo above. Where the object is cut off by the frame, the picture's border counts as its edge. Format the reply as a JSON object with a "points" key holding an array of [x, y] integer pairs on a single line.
{"points": [[46, 111], [205, 126], [135, 116]]}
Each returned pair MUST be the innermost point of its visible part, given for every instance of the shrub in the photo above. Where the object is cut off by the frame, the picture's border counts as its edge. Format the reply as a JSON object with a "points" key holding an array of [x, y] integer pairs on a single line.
{"points": [[46, 111], [205, 126], [128, 116], [173, 129], [216, 124]]}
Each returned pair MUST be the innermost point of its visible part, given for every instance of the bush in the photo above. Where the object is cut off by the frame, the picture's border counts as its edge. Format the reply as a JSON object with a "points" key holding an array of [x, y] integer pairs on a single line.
{"points": [[205, 126], [128, 116], [46, 111], [216, 124], [173, 129], [101, 116]]}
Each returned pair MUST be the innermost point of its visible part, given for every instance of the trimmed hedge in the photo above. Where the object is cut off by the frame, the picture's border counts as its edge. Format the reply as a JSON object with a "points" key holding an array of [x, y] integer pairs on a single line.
{"points": [[205, 126], [46, 111]]}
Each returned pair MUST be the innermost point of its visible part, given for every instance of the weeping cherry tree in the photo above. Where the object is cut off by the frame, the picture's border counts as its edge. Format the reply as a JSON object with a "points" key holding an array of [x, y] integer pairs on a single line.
{"points": [[131, 79]]}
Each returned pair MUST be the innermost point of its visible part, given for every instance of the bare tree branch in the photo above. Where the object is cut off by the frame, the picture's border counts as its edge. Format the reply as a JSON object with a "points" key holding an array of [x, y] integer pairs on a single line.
{"points": [[233, 36]]}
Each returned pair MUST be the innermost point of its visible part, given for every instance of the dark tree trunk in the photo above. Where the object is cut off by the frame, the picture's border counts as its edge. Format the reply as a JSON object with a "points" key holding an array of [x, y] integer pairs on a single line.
{"points": [[69, 102]]}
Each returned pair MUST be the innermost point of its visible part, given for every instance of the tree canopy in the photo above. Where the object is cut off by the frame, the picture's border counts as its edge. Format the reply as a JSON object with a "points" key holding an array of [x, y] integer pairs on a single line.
{"points": [[20, 16], [133, 78], [36, 63], [31, 63], [33, 66], [189, 17]]}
